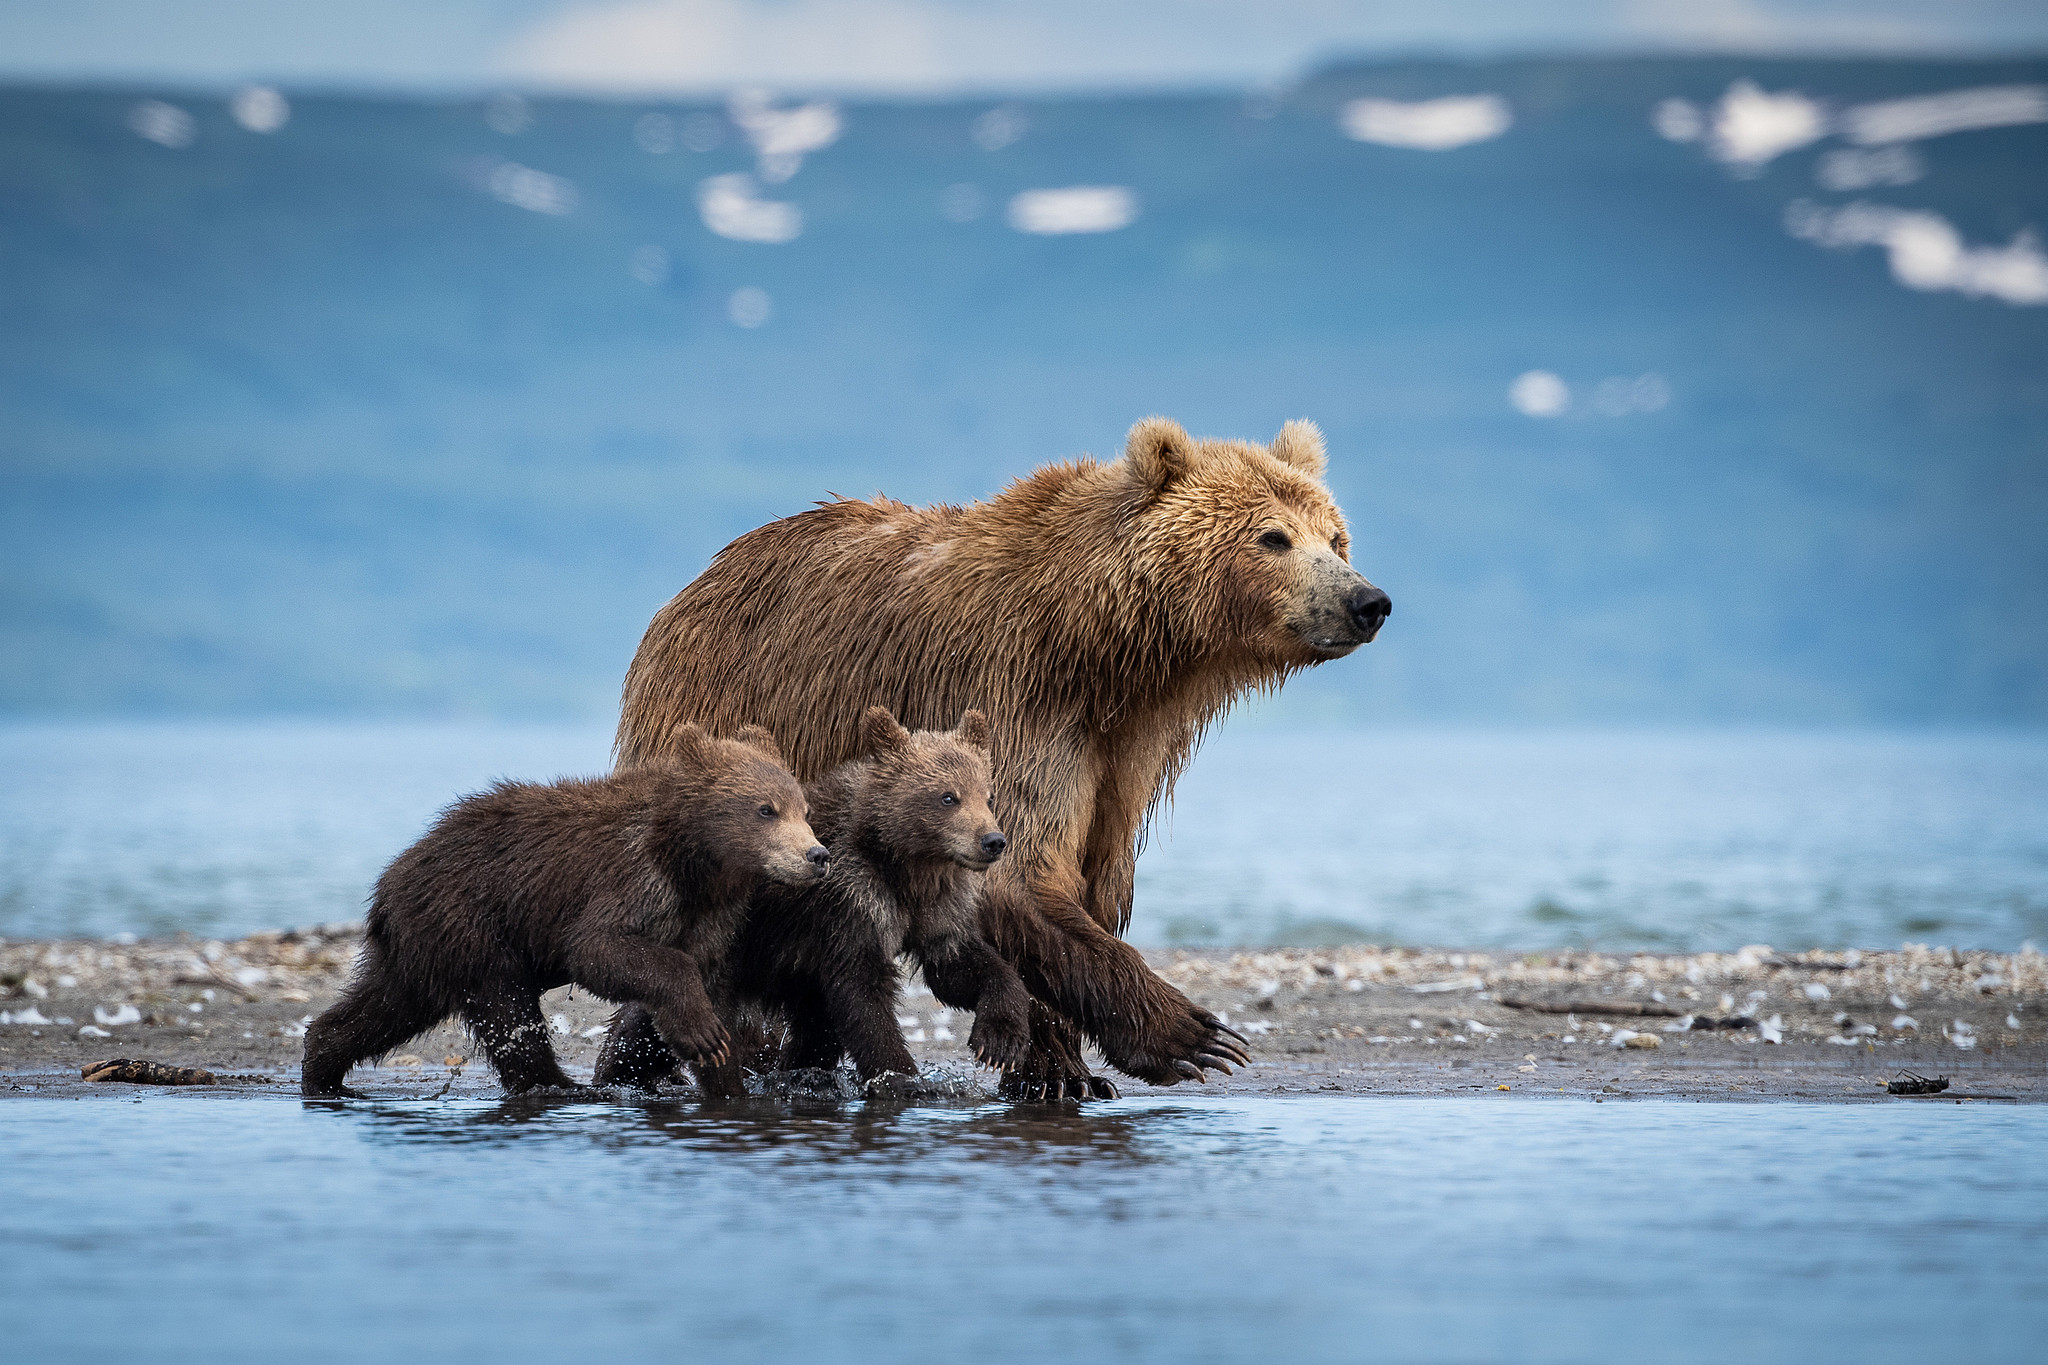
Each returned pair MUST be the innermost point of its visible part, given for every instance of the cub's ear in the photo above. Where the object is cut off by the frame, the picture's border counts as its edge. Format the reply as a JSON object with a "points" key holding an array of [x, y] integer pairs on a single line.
{"points": [[973, 730], [756, 737], [1300, 444], [1158, 452], [686, 742], [879, 732]]}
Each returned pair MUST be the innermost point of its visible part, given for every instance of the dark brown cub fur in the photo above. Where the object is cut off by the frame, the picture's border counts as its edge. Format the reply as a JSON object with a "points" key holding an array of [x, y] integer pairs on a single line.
{"points": [[629, 886], [911, 824]]}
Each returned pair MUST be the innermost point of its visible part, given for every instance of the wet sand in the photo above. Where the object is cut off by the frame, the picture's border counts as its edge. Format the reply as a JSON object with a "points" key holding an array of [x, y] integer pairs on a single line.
{"points": [[1346, 1020]]}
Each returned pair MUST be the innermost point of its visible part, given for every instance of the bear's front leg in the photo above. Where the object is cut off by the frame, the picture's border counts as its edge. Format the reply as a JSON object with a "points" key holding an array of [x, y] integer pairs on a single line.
{"points": [[1143, 1025]]}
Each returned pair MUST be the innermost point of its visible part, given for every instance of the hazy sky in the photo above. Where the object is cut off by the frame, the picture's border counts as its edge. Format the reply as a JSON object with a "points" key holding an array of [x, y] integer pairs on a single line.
{"points": [[915, 46]]}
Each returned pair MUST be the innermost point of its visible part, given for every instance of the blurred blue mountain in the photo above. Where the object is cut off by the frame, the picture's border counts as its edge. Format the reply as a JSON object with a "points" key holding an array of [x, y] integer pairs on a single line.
{"points": [[426, 407]]}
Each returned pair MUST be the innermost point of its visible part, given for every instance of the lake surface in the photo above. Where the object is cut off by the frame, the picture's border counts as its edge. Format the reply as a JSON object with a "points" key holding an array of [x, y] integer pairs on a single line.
{"points": [[1511, 840], [1314, 1229]]}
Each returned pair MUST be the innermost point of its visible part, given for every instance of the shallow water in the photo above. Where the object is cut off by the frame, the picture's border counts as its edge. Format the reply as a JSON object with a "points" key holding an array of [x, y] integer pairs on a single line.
{"points": [[1514, 840], [1303, 1229]]}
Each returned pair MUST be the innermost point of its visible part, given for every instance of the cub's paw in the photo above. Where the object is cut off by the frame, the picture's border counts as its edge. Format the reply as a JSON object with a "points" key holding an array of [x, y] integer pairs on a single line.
{"points": [[638, 1059], [895, 1085], [339, 1092], [701, 1040], [1001, 1038]]}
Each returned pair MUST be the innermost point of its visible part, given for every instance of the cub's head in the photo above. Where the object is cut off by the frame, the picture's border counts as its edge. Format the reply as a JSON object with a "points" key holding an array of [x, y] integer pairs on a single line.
{"points": [[1245, 547], [928, 795], [751, 803]]}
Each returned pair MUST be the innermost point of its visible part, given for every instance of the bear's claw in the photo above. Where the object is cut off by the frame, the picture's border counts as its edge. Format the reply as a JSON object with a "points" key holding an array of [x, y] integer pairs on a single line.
{"points": [[1038, 1090]]}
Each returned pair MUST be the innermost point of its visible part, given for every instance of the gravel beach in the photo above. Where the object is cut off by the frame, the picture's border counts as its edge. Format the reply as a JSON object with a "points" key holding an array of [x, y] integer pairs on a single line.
{"points": [[1749, 1025]]}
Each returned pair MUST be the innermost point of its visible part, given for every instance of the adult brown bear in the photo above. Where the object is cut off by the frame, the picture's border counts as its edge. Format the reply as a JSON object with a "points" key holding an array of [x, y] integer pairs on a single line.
{"points": [[1103, 615]]}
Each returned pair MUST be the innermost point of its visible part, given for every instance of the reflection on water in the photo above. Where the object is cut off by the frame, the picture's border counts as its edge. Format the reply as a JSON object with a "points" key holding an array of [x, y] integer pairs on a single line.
{"points": [[1496, 840], [812, 1135], [1295, 1229]]}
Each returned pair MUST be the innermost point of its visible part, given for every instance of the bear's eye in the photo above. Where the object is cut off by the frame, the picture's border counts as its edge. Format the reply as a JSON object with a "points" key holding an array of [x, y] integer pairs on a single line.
{"points": [[1276, 540], [767, 812], [949, 800]]}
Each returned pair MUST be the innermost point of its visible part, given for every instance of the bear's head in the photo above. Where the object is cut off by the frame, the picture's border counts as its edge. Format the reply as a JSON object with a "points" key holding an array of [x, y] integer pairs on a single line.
{"points": [[747, 804], [928, 796], [1245, 546]]}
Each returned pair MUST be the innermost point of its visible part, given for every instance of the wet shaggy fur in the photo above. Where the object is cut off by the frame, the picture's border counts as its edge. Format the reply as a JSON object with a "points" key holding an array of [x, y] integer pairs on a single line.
{"points": [[629, 886], [912, 829], [1102, 614]]}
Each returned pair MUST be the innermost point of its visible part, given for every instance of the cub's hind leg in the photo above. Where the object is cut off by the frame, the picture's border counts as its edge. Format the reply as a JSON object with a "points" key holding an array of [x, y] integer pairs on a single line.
{"points": [[508, 1026], [376, 1013], [633, 1053], [813, 1043]]}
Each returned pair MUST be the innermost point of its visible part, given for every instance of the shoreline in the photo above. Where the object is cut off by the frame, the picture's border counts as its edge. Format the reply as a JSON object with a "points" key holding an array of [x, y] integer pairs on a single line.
{"points": [[1355, 1019]]}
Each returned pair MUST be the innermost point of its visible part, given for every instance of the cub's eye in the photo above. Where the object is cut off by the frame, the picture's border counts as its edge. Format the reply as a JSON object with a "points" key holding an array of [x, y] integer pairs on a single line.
{"points": [[1276, 540], [991, 803], [949, 800], [767, 812]]}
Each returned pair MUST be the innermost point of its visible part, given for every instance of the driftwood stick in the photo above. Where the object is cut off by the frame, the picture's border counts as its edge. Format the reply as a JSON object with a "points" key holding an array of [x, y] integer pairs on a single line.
{"points": [[145, 1073], [1593, 1007]]}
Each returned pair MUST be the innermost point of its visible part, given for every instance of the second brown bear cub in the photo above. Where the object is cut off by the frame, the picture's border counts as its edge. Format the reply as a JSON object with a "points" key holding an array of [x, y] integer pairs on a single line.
{"points": [[631, 886], [912, 828]]}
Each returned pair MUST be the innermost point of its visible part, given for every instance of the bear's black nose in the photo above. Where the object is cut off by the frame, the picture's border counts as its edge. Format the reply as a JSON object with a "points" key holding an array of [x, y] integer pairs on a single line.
{"points": [[818, 855], [994, 843], [1369, 609]]}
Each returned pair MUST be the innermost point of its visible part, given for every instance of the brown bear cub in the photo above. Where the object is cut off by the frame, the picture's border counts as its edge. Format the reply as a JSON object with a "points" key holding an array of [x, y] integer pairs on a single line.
{"points": [[912, 828], [630, 886]]}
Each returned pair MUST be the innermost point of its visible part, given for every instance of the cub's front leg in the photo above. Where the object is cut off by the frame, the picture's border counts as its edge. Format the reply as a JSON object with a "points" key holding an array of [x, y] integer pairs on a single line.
{"points": [[966, 973], [860, 1001]]}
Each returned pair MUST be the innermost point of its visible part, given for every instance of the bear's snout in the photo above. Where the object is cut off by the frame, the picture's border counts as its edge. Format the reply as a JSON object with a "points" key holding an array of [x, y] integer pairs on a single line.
{"points": [[820, 859], [1368, 608], [993, 843]]}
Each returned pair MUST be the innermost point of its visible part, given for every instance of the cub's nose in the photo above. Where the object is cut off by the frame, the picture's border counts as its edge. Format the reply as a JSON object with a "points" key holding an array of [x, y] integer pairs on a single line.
{"points": [[1369, 609], [994, 843], [817, 856]]}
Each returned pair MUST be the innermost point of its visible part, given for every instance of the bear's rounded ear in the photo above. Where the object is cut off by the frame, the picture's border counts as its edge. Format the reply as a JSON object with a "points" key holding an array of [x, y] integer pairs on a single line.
{"points": [[687, 741], [879, 732], [1158, 452], [756, 737], [1300, 444], [973, 730]]}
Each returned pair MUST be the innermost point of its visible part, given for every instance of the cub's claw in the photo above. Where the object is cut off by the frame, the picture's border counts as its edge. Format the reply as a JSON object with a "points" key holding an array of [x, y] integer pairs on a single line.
{"points": [[1189, 1071]]}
